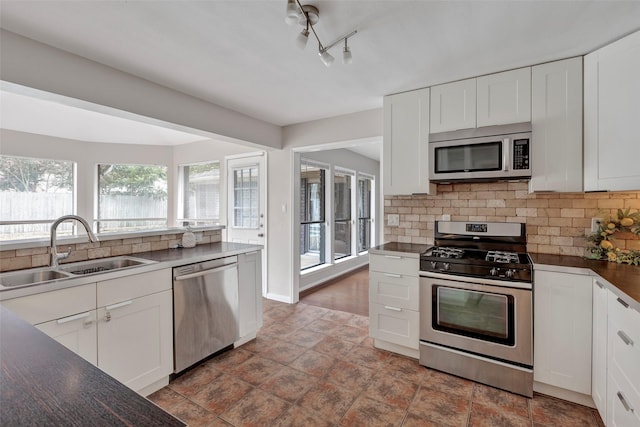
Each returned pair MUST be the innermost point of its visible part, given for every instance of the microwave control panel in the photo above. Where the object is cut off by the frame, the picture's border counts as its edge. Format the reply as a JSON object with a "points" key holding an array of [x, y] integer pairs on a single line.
{"points": [[520, 154]]}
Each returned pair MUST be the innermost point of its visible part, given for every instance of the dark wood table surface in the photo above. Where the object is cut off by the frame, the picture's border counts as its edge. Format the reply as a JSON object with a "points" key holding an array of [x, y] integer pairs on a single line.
{"points": [[43, 383]]}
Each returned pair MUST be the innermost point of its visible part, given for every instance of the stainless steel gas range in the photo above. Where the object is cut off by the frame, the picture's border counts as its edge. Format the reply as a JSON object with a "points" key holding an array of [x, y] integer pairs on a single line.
{"points": [[476, 304]]}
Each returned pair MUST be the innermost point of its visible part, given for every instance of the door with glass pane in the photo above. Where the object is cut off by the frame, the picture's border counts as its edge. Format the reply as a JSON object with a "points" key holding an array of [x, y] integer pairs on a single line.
{"points": [[246, 207]]}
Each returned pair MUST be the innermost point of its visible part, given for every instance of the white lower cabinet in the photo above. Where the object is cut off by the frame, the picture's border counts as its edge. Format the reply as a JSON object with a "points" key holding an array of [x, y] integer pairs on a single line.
{"points": [[76, 332], [395, 325], [623, 364], [599, 351], [135, 339], [249, 295], [394, 317], [562, 330]]}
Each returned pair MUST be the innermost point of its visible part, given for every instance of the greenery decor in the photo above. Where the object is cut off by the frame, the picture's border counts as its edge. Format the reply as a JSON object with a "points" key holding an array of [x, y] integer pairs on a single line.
{"points": [[604, 240]]}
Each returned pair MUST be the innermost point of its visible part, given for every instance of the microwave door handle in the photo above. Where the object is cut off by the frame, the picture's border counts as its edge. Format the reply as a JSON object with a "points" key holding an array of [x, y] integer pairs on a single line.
{"points": [[505, 154]]}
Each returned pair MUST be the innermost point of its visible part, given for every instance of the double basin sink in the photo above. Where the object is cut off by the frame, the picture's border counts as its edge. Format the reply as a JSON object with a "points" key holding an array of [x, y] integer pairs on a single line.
{"points": [[41, 275]]}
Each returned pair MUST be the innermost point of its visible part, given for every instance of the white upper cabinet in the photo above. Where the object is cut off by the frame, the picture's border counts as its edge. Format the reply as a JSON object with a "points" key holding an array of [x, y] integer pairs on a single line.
{"points": [[504, 98], [495, 99], [611, 116], [405, 144], [453, 106], [556, 119]]}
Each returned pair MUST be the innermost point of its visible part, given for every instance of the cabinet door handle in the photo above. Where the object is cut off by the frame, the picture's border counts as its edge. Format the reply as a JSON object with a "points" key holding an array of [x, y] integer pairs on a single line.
{"points": [[393, 257], [118, 305], [388, 307], [600, 285], [623, 302], [74, 317], [624, 402], [396, 276], [624, 337]]}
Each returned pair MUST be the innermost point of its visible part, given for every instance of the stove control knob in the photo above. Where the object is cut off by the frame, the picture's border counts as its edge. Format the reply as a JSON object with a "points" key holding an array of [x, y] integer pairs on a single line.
{"points": [[493, 271], [446, 266], [510, 273], [433, 264]]}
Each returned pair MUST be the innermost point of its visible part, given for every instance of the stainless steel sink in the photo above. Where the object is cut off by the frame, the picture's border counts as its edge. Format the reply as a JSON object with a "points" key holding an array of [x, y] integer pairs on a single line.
{"points": [[102, 265], [31, 277], [41, 275]]}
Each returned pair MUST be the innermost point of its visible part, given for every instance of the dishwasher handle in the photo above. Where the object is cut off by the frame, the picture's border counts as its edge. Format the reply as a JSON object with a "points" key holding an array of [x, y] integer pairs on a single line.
{"points": [[204, 272]]}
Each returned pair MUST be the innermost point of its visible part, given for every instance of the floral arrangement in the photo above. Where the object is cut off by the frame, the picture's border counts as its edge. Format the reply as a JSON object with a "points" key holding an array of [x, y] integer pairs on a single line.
{"points": [[603, 239]]}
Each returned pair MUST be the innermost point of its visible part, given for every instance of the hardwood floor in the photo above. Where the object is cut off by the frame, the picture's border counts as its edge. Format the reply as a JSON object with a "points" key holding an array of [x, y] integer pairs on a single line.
{"points": [[348, 293]]}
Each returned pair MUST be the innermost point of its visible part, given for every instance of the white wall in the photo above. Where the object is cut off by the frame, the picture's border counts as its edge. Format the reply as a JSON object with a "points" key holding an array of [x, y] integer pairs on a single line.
{"points": [[36, 65], [361, 126]]}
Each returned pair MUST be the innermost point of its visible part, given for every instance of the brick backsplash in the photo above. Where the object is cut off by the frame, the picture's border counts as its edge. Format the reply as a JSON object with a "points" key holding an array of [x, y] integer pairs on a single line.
{"points": [[39, 256], [557, 223]]}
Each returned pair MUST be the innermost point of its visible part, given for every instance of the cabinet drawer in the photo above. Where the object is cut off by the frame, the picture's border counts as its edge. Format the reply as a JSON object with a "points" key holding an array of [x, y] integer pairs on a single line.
{"points": [[395, 325], [134, 286], [624, 343], [39, 308], [395, 264], [623, 404], [394, 289]]}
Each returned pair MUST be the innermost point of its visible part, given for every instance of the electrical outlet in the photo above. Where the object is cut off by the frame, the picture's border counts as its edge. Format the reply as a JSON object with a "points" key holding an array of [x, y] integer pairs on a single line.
{"points": [[198, 237], [393, 220], [446, 217], [595, 223]]}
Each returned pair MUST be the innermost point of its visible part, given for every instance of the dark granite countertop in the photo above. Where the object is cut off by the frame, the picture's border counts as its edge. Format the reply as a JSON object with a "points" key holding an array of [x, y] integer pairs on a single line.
{"points": [[180, 256], [407, 248], [626, 278], [44, 383]]}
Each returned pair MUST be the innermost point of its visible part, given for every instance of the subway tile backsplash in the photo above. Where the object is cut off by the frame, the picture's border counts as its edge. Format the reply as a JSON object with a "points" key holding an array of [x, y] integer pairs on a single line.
{"points": [[39, 256], [557, 223]]}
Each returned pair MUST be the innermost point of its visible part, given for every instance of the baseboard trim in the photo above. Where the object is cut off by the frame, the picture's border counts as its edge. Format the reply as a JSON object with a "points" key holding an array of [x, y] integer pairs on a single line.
{"points": [[331, 280]]}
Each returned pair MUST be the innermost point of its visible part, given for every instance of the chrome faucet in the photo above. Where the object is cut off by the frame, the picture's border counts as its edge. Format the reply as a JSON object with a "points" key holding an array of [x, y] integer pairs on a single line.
{"points": [[55, 256]]}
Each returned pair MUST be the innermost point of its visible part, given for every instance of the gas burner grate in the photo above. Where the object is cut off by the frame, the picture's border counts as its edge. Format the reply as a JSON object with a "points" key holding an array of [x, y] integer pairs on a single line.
{"points": [[502, 257], [444, 252]]}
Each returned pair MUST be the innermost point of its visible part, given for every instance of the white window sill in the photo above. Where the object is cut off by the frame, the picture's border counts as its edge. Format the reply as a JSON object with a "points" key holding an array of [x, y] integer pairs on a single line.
{"points": [[44, 241]]}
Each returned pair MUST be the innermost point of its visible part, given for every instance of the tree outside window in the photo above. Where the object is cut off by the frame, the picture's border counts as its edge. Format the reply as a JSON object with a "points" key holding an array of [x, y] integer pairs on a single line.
{"points": [[131, 197], [33, 193]]}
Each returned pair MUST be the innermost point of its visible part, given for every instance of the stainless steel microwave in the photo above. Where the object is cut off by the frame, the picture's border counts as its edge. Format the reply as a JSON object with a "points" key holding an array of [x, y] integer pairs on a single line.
{"points": [[491, 153]]}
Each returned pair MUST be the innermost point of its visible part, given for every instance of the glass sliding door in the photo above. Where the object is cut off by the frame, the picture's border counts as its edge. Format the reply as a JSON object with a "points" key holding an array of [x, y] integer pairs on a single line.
{"points": [[365, 185], [312, 216], [342, 214]]}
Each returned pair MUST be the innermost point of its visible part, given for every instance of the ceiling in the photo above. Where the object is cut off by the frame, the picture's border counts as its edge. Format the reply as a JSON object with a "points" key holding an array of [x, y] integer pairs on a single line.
{"points": [[242, 55]]}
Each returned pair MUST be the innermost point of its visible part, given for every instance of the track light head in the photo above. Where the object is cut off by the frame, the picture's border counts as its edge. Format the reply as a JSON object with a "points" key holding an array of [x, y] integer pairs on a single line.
{"points": [[302, 38], [326, 57], [346, 54], [292, 15]]}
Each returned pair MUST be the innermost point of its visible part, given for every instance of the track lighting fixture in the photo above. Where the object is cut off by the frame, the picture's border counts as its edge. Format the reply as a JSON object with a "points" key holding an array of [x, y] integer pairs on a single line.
{"points": [[307, 16]]}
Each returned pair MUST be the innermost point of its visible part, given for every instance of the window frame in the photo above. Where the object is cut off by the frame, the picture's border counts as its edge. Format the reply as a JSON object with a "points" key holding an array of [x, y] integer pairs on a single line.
{"points": [[181, 218], [98, 220], [73, 227], [325, 252]]}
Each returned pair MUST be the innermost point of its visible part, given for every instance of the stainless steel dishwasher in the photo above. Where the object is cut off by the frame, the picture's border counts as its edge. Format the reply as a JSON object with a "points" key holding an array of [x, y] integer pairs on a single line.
{"points": [[205, 309]]}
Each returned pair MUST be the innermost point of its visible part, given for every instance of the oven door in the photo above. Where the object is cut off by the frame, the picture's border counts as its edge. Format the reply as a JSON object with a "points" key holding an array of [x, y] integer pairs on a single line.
{"points": [[484, 319]]}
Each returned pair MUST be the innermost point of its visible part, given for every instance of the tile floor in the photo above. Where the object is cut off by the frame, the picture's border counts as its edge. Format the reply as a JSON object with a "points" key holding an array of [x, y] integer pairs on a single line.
{"points": [[313, 366]]}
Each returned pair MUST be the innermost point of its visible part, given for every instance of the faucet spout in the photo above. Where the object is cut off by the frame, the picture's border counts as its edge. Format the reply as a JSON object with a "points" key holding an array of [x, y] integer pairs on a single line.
{"points": [[55, 257]]}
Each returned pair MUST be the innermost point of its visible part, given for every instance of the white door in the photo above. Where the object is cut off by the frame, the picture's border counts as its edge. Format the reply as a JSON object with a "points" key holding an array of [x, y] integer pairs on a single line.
{"points": [[247, 202], [77, 333]]}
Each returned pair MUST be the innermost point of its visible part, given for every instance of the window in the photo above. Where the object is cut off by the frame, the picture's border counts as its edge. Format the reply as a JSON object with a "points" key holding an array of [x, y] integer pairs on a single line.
{"points": [[199, 193], [365, 185], [131, 197], [33, 193], [342, 214], [246, 197], [312, 216]]}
